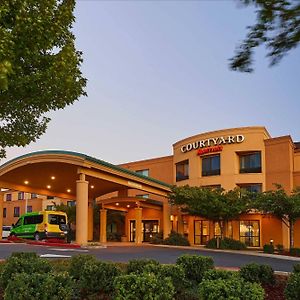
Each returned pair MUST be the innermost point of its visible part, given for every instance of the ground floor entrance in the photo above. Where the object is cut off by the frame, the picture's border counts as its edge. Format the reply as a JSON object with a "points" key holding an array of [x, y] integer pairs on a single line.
{"points": [[150, 228]]}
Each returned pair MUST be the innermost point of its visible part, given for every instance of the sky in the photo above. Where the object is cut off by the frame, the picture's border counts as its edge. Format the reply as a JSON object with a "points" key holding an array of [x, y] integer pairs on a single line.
{"points": [[158, 72]]}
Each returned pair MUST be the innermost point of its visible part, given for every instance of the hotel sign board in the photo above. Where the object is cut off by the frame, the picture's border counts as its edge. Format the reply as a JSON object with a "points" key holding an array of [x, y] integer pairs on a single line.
{"points": [[213, 143]]}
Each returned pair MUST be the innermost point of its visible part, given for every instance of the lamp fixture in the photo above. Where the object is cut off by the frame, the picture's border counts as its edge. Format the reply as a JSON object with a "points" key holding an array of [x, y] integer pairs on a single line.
{"points": [[52, 177], [68, 190], [117, 204], [26, 181], [128, 205], [48, 186], [92, 186]]}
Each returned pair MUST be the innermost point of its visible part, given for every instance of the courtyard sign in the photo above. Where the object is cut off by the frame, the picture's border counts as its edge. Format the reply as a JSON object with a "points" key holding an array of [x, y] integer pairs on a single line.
{"points": [[231, 139]]}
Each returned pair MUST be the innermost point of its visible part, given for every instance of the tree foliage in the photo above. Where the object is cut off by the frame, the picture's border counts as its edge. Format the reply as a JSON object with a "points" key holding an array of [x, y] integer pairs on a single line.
{"points": [[39, 67], [277, 27], [213, 204], [282, 205]]}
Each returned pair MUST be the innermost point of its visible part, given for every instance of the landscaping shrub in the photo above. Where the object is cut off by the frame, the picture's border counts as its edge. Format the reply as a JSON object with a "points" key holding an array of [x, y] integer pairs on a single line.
{"points": [[295, 251], [60, 265], [22, 263], [296, 268], [50, 286], [138, 265], [114, 237], [97, 278], [254, 272], [214, 274], [280, 248], [268, 248], [234, 288], [77, 262], [157, 239], [292, 289], [195, 266], [176, 239], [143, 287], [226, 243]]}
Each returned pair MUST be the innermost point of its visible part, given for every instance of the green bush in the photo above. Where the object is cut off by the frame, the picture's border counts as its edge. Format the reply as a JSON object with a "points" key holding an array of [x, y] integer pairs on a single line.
{"points": [[157, 239], [24, 255], [292, 289], [60, 265], [23, 263], [226, 243], [176, 239], [174, 272], [214, 274], [254, 272], [195, 266], [51, 286], [296, 268], [77, 262], [295, 251], [97, 278], [280, 248], [138, 265], [268, 248], [143, 287], [114, 237], [234, 288]]}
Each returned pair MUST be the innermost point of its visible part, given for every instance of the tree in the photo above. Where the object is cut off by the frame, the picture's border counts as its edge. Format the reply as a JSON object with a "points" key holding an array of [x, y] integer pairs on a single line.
{"points": [[39, 67], [277, 27], [213, 204], [283, 206]]}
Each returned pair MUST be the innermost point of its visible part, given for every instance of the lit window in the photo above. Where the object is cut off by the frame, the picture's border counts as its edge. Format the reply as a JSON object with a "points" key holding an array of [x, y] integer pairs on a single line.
{"points": [[143, 196], [71, 203], [50, 207], [33, 195], [16, 211], [249, 233], [144, 172], [29, 208], [211, 165], [250, 163], [21, 196], [8, 197], [182, 170]]}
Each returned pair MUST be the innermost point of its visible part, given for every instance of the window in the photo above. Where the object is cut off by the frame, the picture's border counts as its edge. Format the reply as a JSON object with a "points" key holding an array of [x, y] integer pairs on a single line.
{"points": [[33, 195], [253, 188], [143, 196], [182, 170], [201, 232], [29, 208], [249, 233], [56, 219], [227, 230], [21, 196], [71, 203], [211, 165], [8, 197], [16, 211], [50, 197], [143, 172], [4, 212], [250, 163], [212, 186], [33, 219], [50, 207]]}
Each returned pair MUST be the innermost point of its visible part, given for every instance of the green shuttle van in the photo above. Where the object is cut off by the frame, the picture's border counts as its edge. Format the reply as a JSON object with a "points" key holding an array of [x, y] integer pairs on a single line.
{"points": [[41, 225]]}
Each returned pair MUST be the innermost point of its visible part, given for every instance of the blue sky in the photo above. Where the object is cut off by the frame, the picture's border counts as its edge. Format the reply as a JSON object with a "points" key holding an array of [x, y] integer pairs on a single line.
{"points": [[158, 72]]}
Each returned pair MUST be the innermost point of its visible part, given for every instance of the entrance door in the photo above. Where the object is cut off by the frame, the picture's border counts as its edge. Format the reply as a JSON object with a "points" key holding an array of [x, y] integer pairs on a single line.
{"points": [[201, 232], [150, 229]]}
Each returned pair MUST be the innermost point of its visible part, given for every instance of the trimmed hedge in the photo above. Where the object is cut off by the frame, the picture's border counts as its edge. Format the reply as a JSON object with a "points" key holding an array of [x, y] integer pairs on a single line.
{"points": [[51, 286], [195, 266], [215, 274], [77, 263], [254, 272], [143, 286], [268, 248], [138, 265], [295, 251], [176, 239], [226, 243], [234, 288], [292, 290]]}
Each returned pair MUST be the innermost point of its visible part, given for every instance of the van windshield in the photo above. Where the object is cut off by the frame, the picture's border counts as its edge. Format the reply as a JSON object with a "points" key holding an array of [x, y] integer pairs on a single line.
{"points": [[56, 219]]}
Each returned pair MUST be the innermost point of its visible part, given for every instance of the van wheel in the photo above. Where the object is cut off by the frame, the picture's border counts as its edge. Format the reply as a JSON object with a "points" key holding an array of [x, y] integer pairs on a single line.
{"points": [[37, 236]]}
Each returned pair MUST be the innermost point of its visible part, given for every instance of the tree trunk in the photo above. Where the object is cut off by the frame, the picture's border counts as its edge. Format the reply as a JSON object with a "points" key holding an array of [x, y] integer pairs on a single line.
{"points": [[292, 234]]}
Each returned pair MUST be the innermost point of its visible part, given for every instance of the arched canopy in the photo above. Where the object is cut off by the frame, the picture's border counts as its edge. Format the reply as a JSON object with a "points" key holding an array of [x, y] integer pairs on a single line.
{"points": [[55, 173]]}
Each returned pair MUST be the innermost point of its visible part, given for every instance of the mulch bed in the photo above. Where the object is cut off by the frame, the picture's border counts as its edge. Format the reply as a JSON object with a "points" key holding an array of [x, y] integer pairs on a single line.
{"points": [[276, 291]]}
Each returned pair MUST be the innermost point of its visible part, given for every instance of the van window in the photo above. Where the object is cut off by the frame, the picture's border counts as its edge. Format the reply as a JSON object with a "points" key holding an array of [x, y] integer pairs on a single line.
{"points": [[33, 219], [19, 222], [56, 219]]}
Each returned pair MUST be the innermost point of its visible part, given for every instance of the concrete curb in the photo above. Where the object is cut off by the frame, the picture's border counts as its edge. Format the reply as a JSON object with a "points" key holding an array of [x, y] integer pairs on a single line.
{"points": [[243, 252]]}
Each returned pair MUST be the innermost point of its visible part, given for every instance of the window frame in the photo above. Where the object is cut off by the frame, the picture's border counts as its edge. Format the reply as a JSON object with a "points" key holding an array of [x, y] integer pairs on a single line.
{"points": [[250, 242], [17, 213], [210, 172], [247, 170], [183, 163]]}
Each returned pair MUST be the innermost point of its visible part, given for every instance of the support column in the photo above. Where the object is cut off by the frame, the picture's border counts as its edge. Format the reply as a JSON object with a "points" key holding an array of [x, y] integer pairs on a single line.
{"points": [[81, 210], [1, 212], [91, 221], [103, 224], [166, 219], [138, 225]]}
